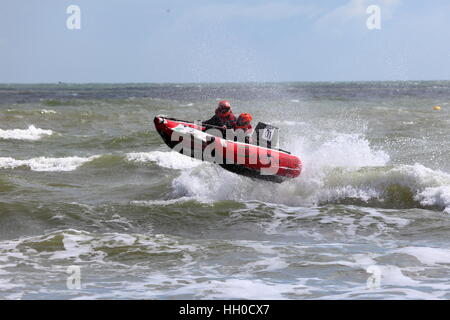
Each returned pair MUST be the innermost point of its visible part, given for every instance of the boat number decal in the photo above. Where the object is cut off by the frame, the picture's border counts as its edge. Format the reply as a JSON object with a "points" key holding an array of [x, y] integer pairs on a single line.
{"points": [[268, 134]]}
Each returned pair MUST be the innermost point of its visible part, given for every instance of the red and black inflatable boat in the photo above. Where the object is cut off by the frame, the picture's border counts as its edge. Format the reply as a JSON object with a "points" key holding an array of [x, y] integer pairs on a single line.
{"points": [[195, 140]]}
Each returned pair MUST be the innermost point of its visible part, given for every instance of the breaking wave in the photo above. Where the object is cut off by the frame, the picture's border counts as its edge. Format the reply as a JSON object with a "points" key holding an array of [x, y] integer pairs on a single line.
{"points": [[171, 159], [344, 170], [46, 164], [32, 133]]}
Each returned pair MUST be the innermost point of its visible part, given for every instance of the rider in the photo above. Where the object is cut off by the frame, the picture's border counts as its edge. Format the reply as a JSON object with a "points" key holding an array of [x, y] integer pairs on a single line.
{"points": [[224, 117], [244, 123]]}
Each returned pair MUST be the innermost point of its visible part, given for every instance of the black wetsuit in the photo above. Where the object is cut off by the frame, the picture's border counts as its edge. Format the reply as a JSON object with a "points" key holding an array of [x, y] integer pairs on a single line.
{"points": [[219, 122]]}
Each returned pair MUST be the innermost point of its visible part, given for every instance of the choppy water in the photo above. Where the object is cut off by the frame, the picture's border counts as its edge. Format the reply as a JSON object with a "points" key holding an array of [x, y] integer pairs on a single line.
{"points": [[86, 181]]}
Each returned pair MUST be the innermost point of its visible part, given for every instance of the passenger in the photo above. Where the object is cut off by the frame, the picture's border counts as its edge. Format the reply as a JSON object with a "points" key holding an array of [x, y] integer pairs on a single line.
{"points": [[244, 123], [224, 117]]}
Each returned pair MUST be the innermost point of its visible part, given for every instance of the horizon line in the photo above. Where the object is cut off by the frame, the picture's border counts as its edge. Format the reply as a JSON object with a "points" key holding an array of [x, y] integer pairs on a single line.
{"points": [[216, 83]]}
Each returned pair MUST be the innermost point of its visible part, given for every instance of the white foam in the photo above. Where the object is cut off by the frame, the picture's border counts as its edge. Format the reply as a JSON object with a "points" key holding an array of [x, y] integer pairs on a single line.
{"points": [[429, 187], [32, 133], [347, 151], [160, 202], [398, 222], [427, 255], [347, 191], [393, 276], [204, 278], [45, 111], [75, 245], [435, 196], [46, 164], [206, 183], [268, 264], [171, 159], [250, 289], [336, 166]]}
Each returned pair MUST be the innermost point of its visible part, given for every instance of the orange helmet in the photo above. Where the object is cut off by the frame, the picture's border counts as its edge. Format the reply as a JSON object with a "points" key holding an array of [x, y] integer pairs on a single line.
{"points": [[223, 109], [244, 120]]}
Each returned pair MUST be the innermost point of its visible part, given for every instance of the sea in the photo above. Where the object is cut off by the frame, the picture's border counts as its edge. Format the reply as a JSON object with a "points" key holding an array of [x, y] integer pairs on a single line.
{"points": [[94, 205]]}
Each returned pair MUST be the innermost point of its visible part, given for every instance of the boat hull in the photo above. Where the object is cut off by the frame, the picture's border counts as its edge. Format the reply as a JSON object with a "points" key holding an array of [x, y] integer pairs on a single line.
{"points": [[249, 160]]}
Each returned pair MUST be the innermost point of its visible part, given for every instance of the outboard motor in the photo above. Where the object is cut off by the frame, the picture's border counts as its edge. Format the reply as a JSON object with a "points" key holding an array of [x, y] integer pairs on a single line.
{"points": [[266, 135]]}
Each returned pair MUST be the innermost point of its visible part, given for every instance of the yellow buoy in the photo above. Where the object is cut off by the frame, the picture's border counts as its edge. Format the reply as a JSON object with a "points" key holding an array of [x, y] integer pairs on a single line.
{"points": [[437, 108]]}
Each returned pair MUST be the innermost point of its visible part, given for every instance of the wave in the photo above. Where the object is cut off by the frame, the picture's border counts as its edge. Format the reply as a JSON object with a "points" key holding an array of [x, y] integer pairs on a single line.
{"points": [[28, 112], [32, 133], [171, 159], [427, 255], [46, 164], [150, 203], [45, 111], [402, 186], [343, 170]]}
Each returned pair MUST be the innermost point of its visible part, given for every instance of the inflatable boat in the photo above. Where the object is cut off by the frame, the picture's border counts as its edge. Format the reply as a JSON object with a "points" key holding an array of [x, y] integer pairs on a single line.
{"points": [[200, 141]]}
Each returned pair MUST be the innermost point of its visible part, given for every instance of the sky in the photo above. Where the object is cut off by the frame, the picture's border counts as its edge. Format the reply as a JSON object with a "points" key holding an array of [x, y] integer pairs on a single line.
{"points": [[223, 41]]}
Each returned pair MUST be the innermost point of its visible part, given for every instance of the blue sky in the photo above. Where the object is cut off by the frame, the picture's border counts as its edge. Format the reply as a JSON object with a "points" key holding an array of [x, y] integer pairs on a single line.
{"points": [[223, 41]]}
